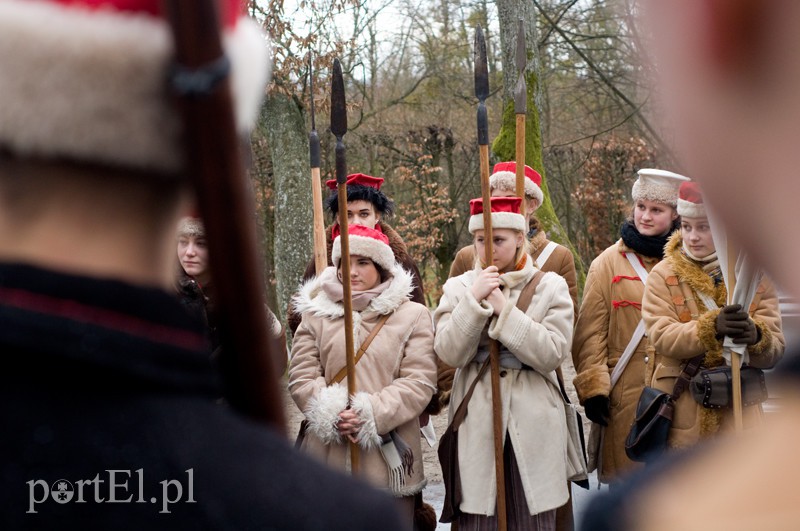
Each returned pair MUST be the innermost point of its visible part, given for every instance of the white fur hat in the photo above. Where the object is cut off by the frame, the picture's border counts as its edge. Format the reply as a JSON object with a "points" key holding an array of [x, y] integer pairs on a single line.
{"points": [[190, 226], [88, 80], [660, 186], [505, 214], [365, 242]]}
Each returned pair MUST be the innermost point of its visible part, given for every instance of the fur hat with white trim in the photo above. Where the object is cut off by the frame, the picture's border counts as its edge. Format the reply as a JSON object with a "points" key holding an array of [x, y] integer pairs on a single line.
{"points": [[660, 186], [504, 177], [690, 201], [365, 242], [87, 80], [505, 214]]}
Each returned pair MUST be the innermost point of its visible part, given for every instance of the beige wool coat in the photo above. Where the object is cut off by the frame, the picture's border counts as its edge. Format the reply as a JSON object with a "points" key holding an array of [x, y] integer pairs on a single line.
{"points": [[532, 406], [609, 314], [680, 327], [395, 378]]}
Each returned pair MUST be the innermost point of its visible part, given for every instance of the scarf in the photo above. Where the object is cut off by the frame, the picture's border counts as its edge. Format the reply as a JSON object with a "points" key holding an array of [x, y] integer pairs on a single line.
{"points": [[650, 246], [709, 264], [361, 299]]}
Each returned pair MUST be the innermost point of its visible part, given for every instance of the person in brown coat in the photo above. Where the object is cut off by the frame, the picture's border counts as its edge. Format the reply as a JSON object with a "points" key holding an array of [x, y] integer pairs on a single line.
{"points": [[685, 315], [732, 83], [610, 314], [395, 377]]}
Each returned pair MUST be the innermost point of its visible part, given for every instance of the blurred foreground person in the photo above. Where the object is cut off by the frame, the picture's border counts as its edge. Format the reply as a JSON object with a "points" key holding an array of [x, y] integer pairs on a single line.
{"points": [[731, 82], [109, 405]]}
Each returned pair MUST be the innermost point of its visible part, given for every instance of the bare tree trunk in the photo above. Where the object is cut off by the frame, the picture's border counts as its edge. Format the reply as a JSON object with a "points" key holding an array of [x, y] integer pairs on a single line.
{"points": [[288, 144]]}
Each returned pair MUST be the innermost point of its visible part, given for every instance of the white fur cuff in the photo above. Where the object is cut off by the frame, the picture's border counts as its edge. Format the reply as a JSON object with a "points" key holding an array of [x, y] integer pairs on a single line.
{"points": [[687, 209], [500, 220], [368, 437], [323, 413]]}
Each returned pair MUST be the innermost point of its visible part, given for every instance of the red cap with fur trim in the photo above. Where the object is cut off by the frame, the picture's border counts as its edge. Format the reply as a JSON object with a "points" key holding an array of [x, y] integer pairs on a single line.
{"points": [[87, 80], [358, 178], [365, 242], [690, 201], [505, 214], [504, 177]]}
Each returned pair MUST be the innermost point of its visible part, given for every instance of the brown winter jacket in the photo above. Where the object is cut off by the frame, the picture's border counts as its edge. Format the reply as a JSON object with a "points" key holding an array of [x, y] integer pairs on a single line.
{"points": [[680, 327], [609, 314], [395, 378]]}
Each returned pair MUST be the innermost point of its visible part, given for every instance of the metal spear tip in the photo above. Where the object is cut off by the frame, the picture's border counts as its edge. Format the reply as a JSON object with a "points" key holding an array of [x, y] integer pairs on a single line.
{"points": [[338, 104], [522, 54], [521, 96], [311, 91], [481, 66]]}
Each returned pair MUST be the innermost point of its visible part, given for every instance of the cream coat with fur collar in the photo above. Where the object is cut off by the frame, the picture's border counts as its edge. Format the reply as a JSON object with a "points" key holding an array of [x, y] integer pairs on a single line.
{"points": [[533, 413], [395, 378]]}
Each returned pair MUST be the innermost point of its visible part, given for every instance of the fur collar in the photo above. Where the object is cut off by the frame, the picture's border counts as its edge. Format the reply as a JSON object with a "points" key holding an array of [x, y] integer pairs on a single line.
{"points": [[311, 297], [691, 273]]}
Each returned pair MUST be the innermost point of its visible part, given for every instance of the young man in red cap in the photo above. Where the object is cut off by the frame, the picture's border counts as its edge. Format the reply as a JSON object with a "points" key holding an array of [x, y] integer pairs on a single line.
{"points": [[109, 405]]}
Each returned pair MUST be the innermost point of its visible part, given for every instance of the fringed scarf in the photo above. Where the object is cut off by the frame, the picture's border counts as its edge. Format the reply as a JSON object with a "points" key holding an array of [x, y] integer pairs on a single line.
{"points": [[399, 460], [709, 264]]}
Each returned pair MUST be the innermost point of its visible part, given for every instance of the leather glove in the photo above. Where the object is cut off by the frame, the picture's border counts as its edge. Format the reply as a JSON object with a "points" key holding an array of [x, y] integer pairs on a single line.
{"points": [[598, 409], [750, 336], [732, 322]]}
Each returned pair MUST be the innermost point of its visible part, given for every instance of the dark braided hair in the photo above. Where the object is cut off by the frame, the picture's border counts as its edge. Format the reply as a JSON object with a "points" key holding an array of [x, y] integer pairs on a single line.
{"points": [[358, 192]]}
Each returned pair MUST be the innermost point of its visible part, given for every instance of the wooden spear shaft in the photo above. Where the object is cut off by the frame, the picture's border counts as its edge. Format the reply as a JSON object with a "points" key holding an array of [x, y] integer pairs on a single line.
{"points": [[520, 109], [339, 128], [227, 206], [482, 91], [320, 246], [736, 373]]}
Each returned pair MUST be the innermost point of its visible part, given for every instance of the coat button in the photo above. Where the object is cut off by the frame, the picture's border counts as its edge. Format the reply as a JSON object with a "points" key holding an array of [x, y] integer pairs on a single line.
{"points": [[503, 374]]}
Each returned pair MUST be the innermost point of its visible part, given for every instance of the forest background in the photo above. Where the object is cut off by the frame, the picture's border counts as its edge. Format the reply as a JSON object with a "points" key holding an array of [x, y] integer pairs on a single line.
{"points": [[408, 68]]}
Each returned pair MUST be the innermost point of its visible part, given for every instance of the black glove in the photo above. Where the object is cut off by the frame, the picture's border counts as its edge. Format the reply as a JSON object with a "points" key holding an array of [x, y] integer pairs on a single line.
{"points": [[598, 409], [732, 322]]}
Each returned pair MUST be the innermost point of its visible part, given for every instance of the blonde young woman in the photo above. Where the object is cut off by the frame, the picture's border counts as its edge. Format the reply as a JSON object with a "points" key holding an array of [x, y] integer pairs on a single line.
{"points": [[481, 304], [610, 315], [686, 316], [395, 377]]}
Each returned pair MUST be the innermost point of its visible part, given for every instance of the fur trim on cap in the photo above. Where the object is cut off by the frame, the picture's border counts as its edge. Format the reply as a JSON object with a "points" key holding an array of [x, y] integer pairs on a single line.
{"points": [[660, 186], [687, 209], [191, 227], [377, 251], [92, 84], [506, 180], [500, 220]]}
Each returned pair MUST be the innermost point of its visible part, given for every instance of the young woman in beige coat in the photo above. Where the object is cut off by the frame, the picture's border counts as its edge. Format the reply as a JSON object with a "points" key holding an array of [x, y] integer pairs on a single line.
{"points": [[479, 305], [685, 313], [610, 314], [395, 378]]}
